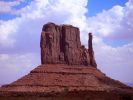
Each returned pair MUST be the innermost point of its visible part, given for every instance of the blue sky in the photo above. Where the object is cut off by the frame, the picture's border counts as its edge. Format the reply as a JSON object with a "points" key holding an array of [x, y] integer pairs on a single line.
{"points": [[110, 21], [97, 6]]}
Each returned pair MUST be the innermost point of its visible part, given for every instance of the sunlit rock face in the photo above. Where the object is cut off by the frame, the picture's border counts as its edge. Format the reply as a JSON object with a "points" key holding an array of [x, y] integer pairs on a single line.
{"points": [[60, 44]]}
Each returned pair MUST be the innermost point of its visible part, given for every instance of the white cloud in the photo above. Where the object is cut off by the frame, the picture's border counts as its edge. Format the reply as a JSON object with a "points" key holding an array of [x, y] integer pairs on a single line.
{"points": [[115, 62], [7, 7], [116, 23], [14, 66], [7, 29]]}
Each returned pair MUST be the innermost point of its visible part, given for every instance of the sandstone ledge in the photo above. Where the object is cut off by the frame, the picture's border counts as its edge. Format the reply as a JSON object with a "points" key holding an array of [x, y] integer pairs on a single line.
{"points": [[52, 79]]}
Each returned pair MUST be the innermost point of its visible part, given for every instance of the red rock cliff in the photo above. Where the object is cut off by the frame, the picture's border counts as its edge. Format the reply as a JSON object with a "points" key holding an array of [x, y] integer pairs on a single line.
{"points": [[61, 44]]}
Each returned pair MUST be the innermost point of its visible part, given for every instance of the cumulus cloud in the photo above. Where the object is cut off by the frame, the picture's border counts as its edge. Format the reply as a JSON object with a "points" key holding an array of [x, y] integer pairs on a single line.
{"points": [[116, 23], [7, 7], [7, 29]]}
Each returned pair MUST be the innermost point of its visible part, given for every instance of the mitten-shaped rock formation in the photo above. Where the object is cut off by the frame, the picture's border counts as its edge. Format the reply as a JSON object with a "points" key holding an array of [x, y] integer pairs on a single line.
{"points": [[64, 73], [61, 45]]}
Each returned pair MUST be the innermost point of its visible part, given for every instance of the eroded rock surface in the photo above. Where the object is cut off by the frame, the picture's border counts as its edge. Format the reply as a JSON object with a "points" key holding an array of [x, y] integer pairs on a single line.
{"points": [[60, 44]]}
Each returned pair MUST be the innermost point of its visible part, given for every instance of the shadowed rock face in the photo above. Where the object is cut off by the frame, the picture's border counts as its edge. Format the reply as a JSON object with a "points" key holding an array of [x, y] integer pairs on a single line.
{"points": [[61, 45], [91, 52]]}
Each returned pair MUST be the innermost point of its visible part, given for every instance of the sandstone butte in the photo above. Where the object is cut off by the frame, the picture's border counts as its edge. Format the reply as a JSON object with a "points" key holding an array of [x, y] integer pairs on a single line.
{"points": [[68, 71]]}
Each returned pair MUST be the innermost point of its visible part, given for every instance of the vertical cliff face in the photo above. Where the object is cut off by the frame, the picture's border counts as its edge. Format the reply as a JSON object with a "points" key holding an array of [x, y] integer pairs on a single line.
{"points": [[61, 44], [50, 43]]}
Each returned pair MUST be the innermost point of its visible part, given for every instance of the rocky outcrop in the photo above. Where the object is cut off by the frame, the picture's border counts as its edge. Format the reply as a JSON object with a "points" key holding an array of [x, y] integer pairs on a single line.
{"points": [[61, 45]]}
